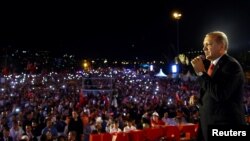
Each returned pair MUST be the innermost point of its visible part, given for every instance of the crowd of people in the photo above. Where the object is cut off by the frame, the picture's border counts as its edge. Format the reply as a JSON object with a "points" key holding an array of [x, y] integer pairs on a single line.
{"points": [[64, 106]]}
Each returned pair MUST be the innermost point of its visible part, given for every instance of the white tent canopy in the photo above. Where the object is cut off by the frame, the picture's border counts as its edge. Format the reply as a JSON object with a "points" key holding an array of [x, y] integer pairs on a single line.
{"points": [[161, 74], [188, 76]]}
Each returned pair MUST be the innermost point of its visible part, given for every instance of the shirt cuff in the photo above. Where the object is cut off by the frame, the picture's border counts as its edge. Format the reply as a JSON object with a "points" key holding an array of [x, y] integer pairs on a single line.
{"points": [[199, 73]]}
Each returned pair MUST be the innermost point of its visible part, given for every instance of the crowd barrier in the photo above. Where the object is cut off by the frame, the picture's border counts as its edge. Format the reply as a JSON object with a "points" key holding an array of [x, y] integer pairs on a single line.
{"points": [[185, 132]]}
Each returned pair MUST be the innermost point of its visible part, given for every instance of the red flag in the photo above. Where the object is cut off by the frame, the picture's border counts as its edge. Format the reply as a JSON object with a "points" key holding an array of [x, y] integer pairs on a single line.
{"points": [[5, 71], [177, 97], [81, 98]]}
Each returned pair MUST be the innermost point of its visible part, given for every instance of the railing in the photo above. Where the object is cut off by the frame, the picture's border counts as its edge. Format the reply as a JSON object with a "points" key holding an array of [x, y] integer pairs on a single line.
{"points": [[187, 132]]}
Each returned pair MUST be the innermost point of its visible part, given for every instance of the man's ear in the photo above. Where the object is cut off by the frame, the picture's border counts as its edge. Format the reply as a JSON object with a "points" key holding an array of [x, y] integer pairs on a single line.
{"points": [[222, 48]]}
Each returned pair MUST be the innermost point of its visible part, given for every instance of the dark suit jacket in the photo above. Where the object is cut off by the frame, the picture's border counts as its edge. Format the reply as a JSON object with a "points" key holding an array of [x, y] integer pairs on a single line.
{"points": [[221, 95], [9, 139]]}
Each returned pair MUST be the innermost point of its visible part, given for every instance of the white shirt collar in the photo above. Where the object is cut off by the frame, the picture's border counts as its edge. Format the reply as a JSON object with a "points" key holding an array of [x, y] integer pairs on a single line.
{"points": [[216, 60]]}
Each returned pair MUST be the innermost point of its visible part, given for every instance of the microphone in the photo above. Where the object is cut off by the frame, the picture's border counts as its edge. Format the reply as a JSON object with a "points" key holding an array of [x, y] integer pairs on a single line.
{"points": [[203, 57]]}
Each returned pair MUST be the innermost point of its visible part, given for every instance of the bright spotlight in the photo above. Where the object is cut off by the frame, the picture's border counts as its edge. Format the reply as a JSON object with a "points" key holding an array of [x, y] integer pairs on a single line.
{"points": [[174, 68]]}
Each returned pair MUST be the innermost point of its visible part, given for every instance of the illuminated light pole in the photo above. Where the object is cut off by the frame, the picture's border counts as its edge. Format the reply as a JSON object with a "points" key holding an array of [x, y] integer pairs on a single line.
{"points": [[177, 17]]}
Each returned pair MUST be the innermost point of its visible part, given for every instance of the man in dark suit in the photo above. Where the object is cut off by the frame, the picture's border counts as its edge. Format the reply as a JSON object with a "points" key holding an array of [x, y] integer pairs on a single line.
{"points": [[6, 135], [221, 87]]}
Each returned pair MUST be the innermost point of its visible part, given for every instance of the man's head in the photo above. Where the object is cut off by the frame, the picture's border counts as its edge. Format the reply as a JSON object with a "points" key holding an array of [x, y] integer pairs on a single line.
{"points": [[6, 132], [74, 114], [72, 136], [155, 116], [215, 44]]}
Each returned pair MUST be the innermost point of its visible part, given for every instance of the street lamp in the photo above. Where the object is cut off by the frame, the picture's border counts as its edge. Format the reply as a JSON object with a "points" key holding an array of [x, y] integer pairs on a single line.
{"points": [[177, 17]]}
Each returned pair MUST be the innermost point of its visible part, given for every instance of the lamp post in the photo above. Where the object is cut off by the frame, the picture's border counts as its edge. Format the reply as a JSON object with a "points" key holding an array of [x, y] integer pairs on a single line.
{"points": [[177, 17]]}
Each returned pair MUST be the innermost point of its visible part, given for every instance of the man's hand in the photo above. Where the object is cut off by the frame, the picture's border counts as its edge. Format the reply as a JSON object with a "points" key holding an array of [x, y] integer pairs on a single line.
{"points": [[198, 65]]}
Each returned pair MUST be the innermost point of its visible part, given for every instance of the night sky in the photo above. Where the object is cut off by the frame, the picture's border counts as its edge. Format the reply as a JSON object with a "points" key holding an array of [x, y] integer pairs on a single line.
{"points": [[123, 29]]}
